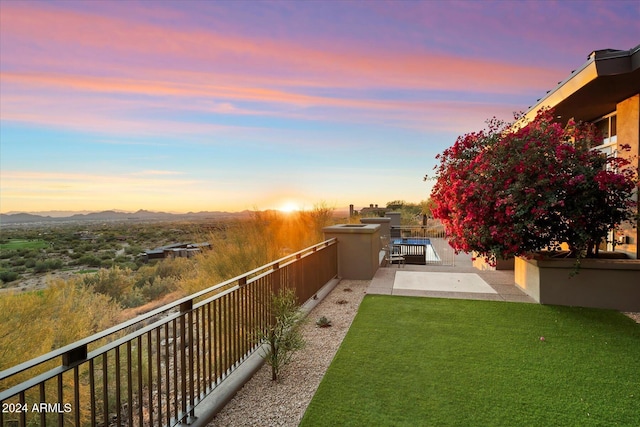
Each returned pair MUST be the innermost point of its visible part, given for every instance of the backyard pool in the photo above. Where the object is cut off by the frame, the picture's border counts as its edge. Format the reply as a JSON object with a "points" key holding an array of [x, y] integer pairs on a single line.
{"points": [[412, 241], [416, 250]]}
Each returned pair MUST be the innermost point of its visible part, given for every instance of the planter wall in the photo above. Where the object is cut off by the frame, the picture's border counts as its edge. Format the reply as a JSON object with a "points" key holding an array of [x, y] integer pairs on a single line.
{"points": [[502, 264], [600, 283]]}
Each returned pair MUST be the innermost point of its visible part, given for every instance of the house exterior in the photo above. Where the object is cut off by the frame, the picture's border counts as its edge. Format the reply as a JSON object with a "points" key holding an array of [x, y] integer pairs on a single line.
{"points": [[605, 91], [176, 250], [372, 210]]}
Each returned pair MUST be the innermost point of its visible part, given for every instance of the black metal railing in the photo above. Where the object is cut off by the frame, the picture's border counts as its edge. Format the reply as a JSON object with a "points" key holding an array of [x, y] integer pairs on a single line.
{"points": [[156, 368], [438, 252]]}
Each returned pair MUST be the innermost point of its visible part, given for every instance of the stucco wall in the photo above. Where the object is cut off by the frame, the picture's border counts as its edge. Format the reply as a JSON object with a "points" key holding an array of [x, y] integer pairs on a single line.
{"points": [[358, 249], [385, 229], [628, 112], [612, 284]]}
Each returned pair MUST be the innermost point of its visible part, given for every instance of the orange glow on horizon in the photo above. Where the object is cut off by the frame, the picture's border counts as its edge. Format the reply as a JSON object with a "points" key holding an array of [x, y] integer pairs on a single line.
{"points": [[289, 207]]}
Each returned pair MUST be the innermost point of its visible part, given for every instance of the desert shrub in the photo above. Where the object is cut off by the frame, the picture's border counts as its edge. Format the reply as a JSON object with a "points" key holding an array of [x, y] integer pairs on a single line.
{"points": [[158, 288], [7, 276], [65, 313], [132, 298], [55, 263], [47, 265], [26, 252], [89, 260], [323, 322], [283, 336], [249, 243], [128, 265], [113, 282], [121, 259], [145, 274], [246, 245], [34, 323], [106, 263], [40, 267], [173, 267], [133, 250]]}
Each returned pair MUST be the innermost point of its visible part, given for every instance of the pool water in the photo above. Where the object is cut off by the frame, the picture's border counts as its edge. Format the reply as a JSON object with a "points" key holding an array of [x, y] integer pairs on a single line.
{"points": [[411, 248], [412, 241]]}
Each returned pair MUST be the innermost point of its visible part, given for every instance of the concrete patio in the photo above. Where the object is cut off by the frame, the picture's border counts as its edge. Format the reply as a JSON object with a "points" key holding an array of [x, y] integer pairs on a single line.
{"points": [[461, 281]]}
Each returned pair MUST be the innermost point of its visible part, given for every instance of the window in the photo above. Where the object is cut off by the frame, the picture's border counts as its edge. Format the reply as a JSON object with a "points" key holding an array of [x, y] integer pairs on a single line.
{"points": [[608, 127]]}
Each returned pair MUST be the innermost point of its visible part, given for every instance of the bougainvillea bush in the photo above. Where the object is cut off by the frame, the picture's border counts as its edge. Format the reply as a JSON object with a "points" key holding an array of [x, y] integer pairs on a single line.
{"points": [[505, 192]]}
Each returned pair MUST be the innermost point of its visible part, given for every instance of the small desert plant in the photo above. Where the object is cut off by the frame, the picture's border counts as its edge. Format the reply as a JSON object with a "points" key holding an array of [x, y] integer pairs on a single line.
{"points": [[323, 322], [283, 337]]}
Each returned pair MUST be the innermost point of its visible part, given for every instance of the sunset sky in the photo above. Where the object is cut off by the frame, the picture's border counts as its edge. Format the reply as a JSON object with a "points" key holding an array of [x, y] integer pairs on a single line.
{"points": [[233, 105]]}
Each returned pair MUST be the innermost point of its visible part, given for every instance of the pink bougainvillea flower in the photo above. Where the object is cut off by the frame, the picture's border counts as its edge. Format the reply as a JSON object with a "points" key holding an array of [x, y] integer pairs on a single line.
{"points": [[506, 192]]}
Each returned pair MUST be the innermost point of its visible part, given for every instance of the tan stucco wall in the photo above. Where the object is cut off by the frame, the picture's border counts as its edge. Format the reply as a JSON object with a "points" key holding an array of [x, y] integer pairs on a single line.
{"points": [[480, 263], [628, 112], [385, 229], [613, 284], [358, 249]]}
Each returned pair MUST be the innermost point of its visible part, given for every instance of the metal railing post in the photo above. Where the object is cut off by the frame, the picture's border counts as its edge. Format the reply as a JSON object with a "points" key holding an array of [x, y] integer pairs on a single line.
{"points": [[186, 364]]}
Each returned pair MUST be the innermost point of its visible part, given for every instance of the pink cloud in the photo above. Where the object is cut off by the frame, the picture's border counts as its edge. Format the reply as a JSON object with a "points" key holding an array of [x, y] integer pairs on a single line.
{"points": [[87, 103], [107, 45], [71, 69]]}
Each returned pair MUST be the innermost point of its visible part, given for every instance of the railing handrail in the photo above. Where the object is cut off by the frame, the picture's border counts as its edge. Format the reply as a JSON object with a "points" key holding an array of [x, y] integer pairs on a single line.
{"points": [[7, 373]]}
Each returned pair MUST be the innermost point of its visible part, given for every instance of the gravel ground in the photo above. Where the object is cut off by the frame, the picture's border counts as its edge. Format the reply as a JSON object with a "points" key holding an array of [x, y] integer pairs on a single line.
{"points": [[262, 402], [634, 316]]}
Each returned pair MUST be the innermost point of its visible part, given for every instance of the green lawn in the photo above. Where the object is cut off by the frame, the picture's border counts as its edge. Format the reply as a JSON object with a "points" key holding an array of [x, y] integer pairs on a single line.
{"points": [[440, 362], [14, 244]]}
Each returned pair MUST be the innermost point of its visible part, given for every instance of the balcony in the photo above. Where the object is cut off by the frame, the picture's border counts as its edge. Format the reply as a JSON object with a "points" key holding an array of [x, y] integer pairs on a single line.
{"points": [[182, 363], [262, 403]]}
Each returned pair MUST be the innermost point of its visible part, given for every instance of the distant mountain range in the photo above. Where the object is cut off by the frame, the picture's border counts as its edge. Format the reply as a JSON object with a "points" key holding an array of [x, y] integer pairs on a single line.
{"points": [[141, 215]]}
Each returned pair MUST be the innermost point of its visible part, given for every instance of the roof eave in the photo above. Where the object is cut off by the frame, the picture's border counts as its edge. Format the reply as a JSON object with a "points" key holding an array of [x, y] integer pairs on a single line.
{"points": [[604, 69]]}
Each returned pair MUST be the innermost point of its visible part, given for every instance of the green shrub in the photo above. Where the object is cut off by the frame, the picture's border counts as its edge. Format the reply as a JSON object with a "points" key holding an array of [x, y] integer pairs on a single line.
{"points": [[40, 267], [89, 260], [106, 263], [283, 337], [33, 323], [174, 267], [53, 264], [159, 288], [134, 298], [121, 259], [114, 282], [7, 276], [323, 322], [133, 250]]}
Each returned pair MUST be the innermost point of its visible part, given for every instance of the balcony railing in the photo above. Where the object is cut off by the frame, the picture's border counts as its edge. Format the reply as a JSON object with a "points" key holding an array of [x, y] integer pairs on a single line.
{"points": [[156, 368], [438, 252]]}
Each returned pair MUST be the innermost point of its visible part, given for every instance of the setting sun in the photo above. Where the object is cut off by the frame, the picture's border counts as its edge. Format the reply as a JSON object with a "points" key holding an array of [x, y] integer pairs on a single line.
{"points": [[289, 207]]}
